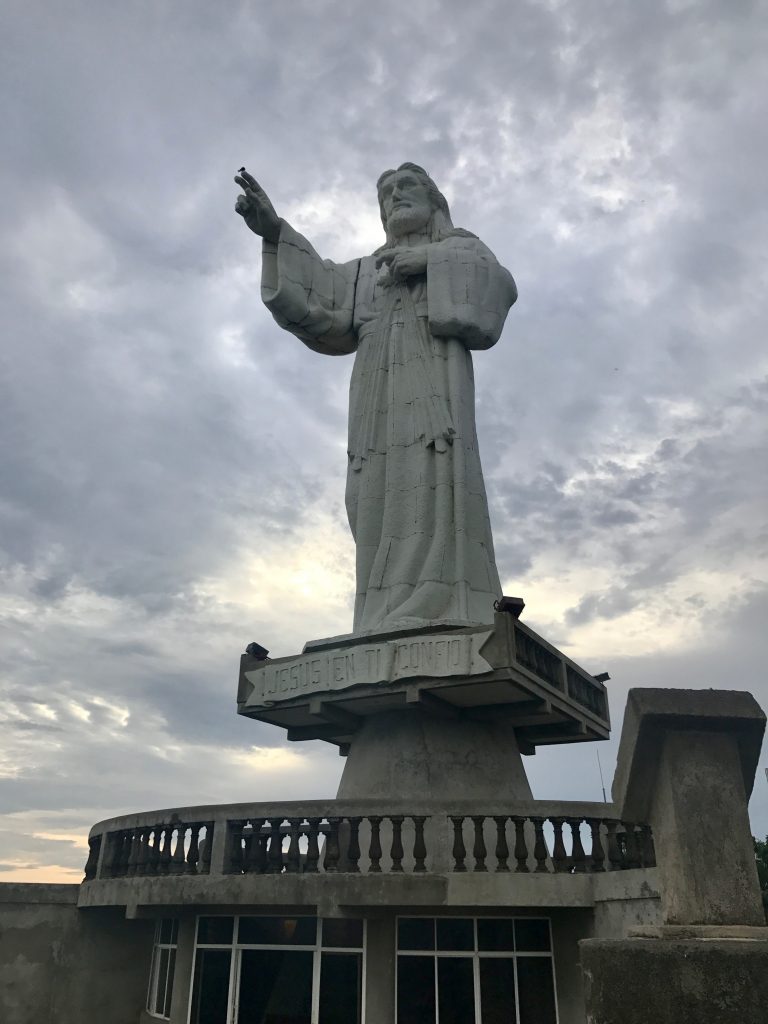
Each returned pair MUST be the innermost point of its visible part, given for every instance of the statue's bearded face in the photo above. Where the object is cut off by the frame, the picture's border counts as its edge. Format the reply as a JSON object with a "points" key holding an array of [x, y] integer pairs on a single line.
{"points": [[405, 201]]}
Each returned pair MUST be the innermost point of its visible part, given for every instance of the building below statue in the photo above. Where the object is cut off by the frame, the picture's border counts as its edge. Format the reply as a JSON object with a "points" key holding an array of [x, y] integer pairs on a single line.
{"points": [[433, 888]]}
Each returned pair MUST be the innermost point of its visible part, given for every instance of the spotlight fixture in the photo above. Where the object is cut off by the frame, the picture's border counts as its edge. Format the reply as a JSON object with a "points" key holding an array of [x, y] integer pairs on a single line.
{"points": [[602, 678], [257, 651], [512, 605]]}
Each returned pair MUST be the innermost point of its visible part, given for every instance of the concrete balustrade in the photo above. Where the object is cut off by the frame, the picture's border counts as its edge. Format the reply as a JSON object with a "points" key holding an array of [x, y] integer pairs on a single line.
{"points": [[265, 851]]}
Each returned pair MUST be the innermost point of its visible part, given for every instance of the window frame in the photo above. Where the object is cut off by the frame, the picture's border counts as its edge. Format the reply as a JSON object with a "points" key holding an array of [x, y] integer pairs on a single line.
{"points": [[317, 949], [476, 954], [154, 968]]}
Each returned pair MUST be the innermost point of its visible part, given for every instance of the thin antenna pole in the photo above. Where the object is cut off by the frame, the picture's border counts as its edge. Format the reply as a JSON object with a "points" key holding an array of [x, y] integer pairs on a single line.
{"points": [[602, 783]]}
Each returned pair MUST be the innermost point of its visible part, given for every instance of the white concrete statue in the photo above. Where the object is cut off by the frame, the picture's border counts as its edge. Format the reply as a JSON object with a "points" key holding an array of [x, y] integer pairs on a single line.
{"points": [[412, 312]]}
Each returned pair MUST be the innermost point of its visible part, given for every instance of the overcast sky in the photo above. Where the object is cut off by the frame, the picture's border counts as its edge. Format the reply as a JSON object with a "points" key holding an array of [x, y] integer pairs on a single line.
{"points": [[172, 466]]}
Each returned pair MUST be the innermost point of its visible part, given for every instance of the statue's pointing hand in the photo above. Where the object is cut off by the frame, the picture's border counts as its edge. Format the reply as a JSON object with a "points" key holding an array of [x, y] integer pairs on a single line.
{"points": [[404, 263], [255, 207]]}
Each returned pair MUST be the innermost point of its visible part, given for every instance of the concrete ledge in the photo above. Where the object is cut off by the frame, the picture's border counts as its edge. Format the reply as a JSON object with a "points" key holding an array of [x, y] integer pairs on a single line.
{"points": [[668, 981], [490, 889], [699, 931], [38, 892]]}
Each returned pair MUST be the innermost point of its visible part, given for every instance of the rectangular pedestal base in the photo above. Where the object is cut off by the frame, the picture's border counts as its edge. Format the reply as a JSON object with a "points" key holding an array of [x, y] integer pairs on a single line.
{"points": [[669, 981]]}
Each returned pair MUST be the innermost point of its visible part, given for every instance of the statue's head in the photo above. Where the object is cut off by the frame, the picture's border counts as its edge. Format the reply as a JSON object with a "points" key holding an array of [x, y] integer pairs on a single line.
{"points": [[410, 203]]}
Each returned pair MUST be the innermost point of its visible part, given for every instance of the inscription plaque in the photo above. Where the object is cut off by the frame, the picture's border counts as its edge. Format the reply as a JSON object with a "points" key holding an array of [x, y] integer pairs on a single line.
{"points": [[432, 656]]}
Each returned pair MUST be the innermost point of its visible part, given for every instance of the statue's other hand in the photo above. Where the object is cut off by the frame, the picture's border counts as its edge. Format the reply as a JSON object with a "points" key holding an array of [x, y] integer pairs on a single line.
{"points": [[256, 208], [404, 263]]}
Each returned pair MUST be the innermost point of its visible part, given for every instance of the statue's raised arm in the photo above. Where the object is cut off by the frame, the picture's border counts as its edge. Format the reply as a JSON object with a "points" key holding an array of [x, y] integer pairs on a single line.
{"points": [[411, 312]]}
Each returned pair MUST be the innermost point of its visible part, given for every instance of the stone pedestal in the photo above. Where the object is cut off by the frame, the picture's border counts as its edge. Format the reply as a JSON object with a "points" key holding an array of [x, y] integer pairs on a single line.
{"points": [[504, 683], [686, 765], [412, 755], [669, 981]]}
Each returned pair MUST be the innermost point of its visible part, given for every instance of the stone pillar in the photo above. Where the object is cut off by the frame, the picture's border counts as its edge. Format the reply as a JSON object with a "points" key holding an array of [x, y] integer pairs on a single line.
{"points": [[182, 977], [381, 963], [686, 766]]}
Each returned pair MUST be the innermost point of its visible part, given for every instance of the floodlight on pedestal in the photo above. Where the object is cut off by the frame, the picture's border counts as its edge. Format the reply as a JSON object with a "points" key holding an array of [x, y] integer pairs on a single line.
{"points": [[257, 652], [511, 605]]}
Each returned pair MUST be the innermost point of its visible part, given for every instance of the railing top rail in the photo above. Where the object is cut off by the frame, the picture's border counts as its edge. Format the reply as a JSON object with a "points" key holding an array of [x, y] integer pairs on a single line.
{"points": [[363, 808]]}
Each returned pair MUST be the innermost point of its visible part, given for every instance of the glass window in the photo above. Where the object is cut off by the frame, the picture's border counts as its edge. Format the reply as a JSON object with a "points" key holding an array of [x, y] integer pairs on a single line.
{"points": [[214, 931], [210, 989], [275, 986], [504, 977], [416, 933], [415, 990], [455, 933], [162, 968], [495, 935], [497, 990], [532, 935], [291, 978], [343, 933], [535, 990], [277, 931], [341, 988], [455, 989]]}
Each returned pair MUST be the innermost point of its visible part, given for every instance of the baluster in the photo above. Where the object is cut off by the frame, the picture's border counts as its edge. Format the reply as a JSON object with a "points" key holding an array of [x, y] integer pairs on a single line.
{"points": [[165, 851], [521, 847], [396, 851], [353, 848], [578, 856], [419, 846], [313, 849], [459, 850], [598, 853], [153, 864], [293, 857], [479, 851], [242, 846], [646, 847], [193, 854], [126, 848], [332, 853], [614, 853], [559, 856], [502, 849], [94, 845], [110, 856], [540, 851], [114, 857], [275, 855], [177, 858], [143, 851], [254, 853], [133, 856], [633, 853], [205, 849], [374, 850], [234, 859]]}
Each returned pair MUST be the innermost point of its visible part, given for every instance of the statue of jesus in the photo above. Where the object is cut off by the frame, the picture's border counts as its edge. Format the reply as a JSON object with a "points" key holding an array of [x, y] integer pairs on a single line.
{"points": [[412, 312]]}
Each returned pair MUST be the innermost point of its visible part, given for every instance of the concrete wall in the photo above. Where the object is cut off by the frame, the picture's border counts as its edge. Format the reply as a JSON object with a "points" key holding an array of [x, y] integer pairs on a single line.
{"points": [[66, 966], [625, 899], [670, 982]]}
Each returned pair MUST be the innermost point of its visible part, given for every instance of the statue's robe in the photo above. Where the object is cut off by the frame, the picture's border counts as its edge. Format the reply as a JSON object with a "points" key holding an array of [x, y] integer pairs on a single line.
{"points": [[415, 494]]}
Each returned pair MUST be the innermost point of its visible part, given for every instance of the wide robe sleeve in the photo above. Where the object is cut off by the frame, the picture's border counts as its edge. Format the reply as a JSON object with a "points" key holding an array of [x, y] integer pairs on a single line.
{"points": [[310, 297], [468, 292]]}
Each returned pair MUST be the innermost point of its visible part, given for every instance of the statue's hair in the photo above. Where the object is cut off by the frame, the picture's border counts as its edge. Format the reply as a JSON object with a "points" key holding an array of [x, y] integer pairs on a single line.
{"points": [[440, 224]]}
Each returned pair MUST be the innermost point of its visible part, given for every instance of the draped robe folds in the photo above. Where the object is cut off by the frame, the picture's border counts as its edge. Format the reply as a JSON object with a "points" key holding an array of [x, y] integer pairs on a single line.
{"points": [[415, 495]]}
